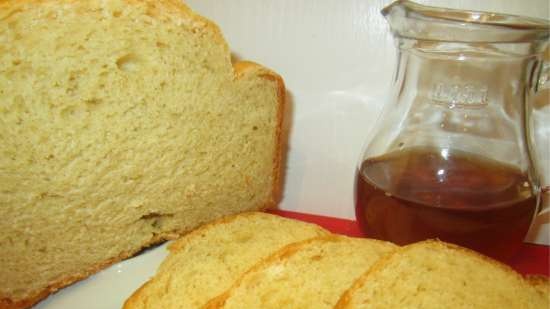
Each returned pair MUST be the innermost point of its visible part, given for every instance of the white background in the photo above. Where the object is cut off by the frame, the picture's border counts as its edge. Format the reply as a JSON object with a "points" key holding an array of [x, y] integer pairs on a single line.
{"points": [[336, 57]]}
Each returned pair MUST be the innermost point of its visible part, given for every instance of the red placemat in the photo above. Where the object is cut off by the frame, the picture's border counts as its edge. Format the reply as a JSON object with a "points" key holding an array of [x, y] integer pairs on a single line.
{"points": [[531, 259]]}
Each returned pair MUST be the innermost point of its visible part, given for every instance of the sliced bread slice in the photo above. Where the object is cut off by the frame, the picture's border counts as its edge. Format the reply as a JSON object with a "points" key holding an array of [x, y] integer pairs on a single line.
{"points": [[122, 123], [432, 274], [206, 262], [311, 274]]}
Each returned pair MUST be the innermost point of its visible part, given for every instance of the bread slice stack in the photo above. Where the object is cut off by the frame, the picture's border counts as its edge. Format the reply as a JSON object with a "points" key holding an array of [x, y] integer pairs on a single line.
{"points": [[206, 262], [310, 274], [122, 124], [327, 271], [432, 274]]}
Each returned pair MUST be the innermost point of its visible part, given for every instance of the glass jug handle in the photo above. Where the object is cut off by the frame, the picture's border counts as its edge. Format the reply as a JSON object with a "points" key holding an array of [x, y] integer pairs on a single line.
{"points": [[544, 84], [544, 78]]}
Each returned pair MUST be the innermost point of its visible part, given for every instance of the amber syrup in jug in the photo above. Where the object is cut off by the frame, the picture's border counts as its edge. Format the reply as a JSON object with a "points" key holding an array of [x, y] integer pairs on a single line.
{"points": [[422, 193]]}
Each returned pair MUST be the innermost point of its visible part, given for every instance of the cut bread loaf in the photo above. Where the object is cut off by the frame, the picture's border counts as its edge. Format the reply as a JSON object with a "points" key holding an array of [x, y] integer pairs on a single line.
{"points": [[122, 124], [310, 274], [206, 262], [433, 274]]}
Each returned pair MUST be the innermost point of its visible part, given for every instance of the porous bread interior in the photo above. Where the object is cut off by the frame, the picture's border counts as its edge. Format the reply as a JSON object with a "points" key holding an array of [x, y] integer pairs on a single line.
{"points": [[121, 122], [435, 275], [206, 262], [311, 274]]}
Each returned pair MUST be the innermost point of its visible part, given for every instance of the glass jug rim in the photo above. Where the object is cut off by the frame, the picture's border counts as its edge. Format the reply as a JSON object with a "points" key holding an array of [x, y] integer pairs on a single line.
{"points": [[410, 19]]}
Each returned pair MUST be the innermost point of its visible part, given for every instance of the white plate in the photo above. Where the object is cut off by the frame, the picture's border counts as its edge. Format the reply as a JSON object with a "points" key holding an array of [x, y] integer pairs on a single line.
{"points": [[110, 287], [336, 58]]}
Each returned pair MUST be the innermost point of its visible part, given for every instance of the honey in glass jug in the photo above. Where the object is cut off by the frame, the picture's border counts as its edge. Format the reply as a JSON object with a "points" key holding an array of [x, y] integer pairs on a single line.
{"points": [[451, 155]]}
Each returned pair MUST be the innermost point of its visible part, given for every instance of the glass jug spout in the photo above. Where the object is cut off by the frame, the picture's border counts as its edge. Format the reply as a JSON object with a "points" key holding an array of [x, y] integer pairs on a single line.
{"points": [[411, 20]]}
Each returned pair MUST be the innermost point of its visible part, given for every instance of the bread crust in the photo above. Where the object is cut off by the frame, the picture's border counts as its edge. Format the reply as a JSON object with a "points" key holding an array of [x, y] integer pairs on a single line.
{"points": [[182, 243], [7, 303], [240, 69], [541, 283], [346, 296], [219, 301], [246, 67]]}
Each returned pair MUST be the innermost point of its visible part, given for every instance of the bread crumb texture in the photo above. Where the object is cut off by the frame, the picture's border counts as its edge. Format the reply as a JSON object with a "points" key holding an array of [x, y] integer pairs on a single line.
{"points": [[121, 123], [311, 274], [432, 275], [206, 262]]}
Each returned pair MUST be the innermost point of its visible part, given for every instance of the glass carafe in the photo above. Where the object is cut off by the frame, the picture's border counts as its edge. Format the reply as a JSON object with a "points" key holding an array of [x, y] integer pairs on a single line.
{"points": [[451, 156]]}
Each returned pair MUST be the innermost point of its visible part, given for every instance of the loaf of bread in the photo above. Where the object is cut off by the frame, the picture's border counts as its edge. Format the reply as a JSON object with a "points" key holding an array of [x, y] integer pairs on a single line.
{"points": [[206, 262], [309, 274], [122, 124], [432, 274]]}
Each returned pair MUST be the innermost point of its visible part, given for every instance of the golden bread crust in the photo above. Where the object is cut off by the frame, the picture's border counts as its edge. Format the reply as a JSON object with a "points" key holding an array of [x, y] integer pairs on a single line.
{"points": [[148, 293], [541, 283], [246, 67], [347, 295], [179, 244], [284, 253], [7, 303], [219, 301]]}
